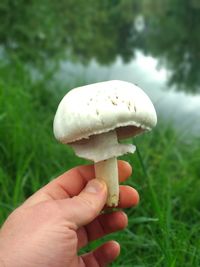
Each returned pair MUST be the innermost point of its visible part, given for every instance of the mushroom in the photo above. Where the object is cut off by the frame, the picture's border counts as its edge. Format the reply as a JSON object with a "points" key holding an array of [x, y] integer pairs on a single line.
{"points": [[94, 117]]}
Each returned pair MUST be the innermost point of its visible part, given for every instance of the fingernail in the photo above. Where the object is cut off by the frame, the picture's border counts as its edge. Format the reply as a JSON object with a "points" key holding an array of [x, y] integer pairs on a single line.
{"points": [[94, 186]]}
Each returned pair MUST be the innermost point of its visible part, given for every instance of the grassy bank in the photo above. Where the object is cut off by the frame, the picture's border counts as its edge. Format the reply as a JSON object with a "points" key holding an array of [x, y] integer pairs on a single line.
{"points": [[163, 230]]}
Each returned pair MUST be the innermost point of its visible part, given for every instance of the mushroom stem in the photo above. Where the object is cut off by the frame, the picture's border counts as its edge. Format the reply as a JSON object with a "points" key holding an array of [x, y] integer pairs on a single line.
{"points": [[107, 170], [103, 149]]}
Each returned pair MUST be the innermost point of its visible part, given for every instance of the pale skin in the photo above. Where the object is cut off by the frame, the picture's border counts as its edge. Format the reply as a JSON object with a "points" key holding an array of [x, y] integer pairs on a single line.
{"points": [[50, 227]]}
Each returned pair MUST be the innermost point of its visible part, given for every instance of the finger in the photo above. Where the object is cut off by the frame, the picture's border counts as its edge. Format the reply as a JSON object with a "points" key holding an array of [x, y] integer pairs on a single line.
{"points": [[103, 255], [124, 169], [84, 208], [128, 197], [112, 222], [72, 182], [101, 226]]}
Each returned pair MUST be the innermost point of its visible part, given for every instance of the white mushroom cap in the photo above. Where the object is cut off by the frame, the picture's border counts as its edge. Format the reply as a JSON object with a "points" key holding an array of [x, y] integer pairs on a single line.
{"points": [[101, 107]]}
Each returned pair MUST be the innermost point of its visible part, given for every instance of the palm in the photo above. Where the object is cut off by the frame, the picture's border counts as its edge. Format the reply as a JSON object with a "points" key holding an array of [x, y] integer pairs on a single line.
{"points": [[76, 237]]}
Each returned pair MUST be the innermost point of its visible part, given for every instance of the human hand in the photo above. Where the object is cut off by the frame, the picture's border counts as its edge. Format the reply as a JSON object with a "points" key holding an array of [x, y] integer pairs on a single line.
{"points": [[49, 228]]}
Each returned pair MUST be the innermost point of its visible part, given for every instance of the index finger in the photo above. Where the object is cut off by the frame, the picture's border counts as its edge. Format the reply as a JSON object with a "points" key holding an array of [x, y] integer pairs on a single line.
{"points": [[72, 182]]}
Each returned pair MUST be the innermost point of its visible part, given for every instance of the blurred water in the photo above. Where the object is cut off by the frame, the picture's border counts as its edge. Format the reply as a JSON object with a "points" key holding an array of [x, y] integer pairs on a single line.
{"points": [[174, 106]]}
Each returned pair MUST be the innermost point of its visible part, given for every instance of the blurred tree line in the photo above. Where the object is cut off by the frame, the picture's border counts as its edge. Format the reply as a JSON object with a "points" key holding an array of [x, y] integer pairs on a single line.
{"points": [[38, 32], [173, 36]]}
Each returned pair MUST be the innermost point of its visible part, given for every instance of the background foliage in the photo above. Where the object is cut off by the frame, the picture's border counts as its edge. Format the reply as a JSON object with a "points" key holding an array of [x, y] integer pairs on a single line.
{"points": [[38, 32]]}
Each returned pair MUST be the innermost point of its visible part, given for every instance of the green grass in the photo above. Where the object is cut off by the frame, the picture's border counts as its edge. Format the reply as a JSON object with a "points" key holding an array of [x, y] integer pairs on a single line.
{"points": [[163, 230]]}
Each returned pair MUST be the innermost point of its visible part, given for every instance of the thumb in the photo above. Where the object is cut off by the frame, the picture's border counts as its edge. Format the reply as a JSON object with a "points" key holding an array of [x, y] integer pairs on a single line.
{"points": [[84, 208]]}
